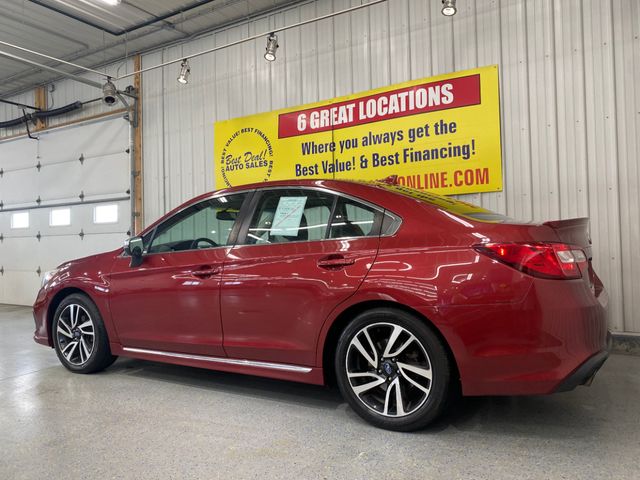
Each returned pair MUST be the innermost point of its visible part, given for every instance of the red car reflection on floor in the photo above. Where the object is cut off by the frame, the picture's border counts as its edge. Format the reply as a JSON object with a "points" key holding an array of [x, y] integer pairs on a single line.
{"points": [[401, 297]]}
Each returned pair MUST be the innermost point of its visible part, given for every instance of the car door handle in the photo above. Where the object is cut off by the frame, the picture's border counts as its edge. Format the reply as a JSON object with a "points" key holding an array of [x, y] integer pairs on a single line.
{"points": [[205, 272], [335, 261]]}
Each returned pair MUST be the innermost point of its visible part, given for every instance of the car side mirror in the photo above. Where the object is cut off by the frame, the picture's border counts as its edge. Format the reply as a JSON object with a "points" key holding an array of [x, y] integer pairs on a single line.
{"points": [[134, 247]]}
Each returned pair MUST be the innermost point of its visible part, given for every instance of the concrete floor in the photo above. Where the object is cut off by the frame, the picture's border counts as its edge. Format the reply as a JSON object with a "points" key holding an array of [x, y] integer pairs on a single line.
{"points": [[148, 420]]}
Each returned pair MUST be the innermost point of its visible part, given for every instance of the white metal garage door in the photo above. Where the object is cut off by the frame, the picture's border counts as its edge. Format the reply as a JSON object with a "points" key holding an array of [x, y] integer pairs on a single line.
{"points": [[63, 196]]}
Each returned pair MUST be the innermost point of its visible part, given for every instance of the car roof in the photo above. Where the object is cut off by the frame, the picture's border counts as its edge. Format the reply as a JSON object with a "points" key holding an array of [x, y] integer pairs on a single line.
{"points": [[348, 186], [355, 188], [292, 183], [385, 194]]}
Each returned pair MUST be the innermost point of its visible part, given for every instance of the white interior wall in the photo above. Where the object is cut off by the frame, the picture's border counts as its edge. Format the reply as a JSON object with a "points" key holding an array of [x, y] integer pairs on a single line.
{"points": [[570, 101]]}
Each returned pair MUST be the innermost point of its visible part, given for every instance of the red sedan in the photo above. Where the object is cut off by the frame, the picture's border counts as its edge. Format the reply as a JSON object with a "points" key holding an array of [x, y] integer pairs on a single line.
{"points": [[400, 297]]}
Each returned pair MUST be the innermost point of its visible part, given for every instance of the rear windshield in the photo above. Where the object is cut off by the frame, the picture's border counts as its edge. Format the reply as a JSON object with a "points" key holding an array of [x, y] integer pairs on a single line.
{"points": [[448, 204]]}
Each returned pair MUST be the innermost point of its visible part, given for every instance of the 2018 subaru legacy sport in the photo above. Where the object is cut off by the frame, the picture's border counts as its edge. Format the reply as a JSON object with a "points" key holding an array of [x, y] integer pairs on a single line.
{"points": [[399, 296]]}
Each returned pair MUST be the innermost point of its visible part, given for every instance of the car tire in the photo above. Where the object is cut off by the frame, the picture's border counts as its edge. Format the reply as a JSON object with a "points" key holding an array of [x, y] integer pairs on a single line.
{"points": [[79, 336], [393, 370]]}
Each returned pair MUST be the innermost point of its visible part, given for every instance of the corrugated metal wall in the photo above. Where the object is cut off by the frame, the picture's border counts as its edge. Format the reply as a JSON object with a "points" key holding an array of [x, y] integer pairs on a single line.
{"points": [[570, 98], [570, 93]]}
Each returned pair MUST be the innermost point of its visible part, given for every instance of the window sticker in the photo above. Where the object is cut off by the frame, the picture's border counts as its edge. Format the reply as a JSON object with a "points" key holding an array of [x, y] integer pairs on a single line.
{"points": [[286, 221]]}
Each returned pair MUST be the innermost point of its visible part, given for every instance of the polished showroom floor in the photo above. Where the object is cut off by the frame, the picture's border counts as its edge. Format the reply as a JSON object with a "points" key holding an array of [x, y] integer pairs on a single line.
{"points": [[148, 420]]}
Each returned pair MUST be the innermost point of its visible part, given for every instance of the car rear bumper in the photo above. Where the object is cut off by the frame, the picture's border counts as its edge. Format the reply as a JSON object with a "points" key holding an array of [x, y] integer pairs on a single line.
{"points": [[554, 340], [584, 374]]}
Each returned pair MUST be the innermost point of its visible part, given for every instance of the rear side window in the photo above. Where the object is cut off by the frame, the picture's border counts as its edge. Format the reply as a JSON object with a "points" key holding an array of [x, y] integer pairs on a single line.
{"points": [[295, 215], [352, 219], [290, 216]]}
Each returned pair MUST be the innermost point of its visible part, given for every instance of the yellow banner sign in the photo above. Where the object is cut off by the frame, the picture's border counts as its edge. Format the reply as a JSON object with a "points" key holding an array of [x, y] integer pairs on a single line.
{"points": [[440, 134]]}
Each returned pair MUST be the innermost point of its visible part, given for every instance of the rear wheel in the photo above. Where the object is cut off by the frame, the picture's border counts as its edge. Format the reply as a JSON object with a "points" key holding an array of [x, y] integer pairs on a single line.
{"points": [[80, 338], [393, 370]]}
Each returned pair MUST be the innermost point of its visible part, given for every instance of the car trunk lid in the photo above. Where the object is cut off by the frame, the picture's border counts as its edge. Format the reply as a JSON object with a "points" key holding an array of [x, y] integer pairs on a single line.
{"points": [[574, 231]]}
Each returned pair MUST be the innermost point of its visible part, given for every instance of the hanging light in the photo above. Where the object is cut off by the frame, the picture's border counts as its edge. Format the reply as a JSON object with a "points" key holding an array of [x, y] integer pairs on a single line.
{"points": [[272, 46], [109, 93], [185, 70], [449, 8]]}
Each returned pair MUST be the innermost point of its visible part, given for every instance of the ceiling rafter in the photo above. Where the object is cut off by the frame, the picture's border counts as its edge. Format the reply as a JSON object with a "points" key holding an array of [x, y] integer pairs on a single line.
{"points": [[107, 49], [154, 18]]}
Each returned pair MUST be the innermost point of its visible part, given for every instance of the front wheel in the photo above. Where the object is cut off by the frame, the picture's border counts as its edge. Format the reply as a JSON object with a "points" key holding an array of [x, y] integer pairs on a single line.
{"points": [[80, 338], [393, 370]]}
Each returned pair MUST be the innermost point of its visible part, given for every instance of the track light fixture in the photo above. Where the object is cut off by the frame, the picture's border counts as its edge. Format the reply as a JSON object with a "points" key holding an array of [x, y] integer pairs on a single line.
{"points": [[449, 8], [185, 71], [251, 38], [272, 46], [109, 93]]}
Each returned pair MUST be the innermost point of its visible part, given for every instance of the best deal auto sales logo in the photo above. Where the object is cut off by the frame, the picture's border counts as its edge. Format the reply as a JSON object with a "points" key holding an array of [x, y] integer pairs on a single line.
{"points": [[247, 153]]}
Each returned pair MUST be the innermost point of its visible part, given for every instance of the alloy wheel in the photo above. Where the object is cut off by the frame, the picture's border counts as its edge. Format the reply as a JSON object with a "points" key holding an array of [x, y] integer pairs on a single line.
{"points": [[75, 332], [389, 369]]}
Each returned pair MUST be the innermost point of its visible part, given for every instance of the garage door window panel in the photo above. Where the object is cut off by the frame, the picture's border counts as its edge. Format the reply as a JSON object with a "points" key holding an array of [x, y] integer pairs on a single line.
{"points": [[105, 214], [206, 224], [20, 220], [60, 217]]}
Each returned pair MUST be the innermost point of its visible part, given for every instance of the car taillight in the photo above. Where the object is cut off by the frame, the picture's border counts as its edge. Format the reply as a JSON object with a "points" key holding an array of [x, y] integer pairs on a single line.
{"points": [[540, 259]]}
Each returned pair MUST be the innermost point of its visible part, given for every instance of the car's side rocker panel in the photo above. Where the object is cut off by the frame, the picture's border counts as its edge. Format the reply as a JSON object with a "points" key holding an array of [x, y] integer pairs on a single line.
{"points": [[282, 371]]}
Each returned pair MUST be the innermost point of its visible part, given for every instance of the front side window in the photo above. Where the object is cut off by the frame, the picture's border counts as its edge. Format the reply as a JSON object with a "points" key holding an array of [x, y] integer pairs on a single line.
{"points": [[207, 224]]}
